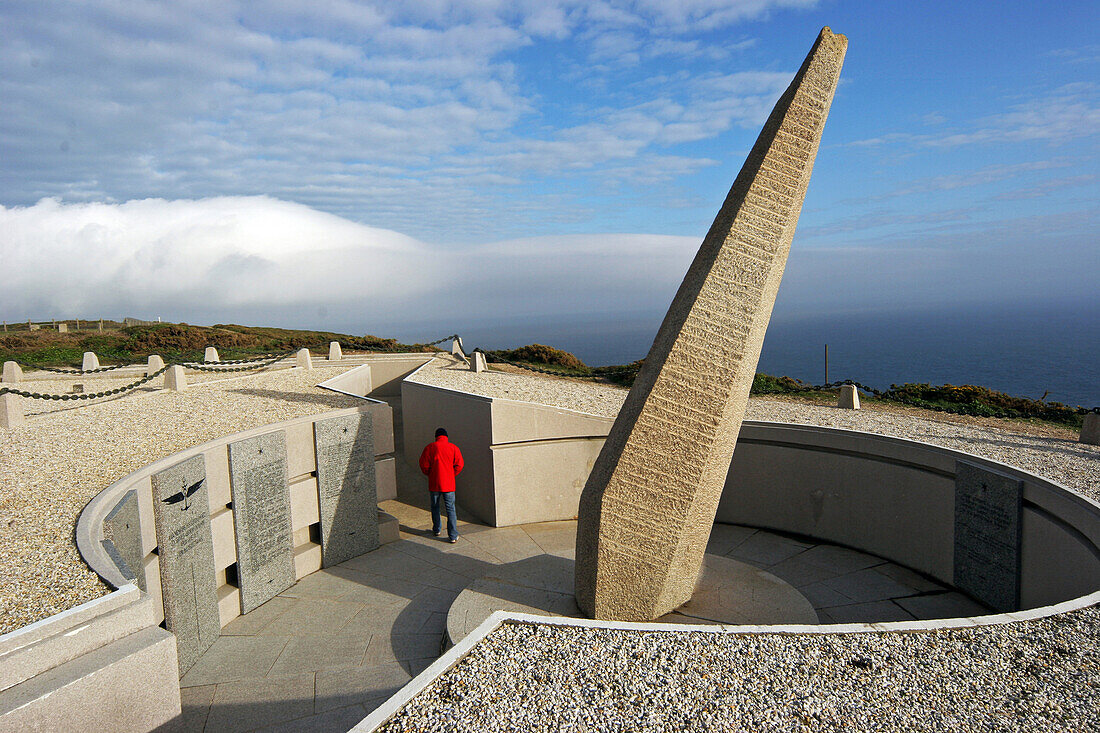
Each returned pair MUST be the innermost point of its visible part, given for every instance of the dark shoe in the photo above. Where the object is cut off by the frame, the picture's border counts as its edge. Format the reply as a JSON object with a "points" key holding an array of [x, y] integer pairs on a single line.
{"points": [[435, 533], [453, 541]]}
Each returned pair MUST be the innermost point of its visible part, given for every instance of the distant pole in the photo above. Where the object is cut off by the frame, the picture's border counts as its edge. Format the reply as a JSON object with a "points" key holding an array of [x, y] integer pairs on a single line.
{"points": [[826, 363]]}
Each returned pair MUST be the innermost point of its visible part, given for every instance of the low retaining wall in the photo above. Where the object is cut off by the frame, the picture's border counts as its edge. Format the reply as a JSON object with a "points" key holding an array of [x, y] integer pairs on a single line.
{"points": [[104, 665], [301, 476], [524, 462], [898, 499]]}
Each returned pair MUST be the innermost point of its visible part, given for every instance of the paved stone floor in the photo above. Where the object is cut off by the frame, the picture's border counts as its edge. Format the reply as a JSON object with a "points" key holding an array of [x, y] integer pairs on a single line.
{"points": [[323, 654], [333, 647]]}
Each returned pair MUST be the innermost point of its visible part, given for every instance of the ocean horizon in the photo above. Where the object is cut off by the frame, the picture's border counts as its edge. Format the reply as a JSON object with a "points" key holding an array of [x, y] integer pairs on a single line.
{"points": [[1025, 352]]}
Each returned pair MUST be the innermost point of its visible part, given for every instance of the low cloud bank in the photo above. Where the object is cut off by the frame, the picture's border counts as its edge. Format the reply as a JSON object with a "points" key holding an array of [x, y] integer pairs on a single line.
{"points": [[264, 261]]}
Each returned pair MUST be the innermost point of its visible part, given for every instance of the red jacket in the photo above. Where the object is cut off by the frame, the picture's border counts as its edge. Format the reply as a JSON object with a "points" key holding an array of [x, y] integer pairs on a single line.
{"points": [[441, 461]]}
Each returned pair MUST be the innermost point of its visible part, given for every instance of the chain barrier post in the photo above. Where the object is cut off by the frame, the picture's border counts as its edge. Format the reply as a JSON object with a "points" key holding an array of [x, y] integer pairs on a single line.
{"points": [[12, 373], [90, 362], [303, 359], [848, 398], [155, 364], [11, 410], [211, 355], [334, 351], [175, 379], [1090, 429]]}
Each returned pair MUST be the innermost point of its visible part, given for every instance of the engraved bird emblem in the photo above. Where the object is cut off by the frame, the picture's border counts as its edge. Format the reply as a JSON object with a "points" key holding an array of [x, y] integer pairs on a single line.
{"points": [[184, 494]]}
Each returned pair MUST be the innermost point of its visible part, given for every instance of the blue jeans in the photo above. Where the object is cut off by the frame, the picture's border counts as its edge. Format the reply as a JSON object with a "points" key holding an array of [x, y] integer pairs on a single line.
{"points": [[448, 498]]}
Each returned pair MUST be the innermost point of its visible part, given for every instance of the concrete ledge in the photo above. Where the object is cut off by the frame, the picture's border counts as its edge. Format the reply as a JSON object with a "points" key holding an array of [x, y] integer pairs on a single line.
{"points": [[104, 664], [392, 706]]}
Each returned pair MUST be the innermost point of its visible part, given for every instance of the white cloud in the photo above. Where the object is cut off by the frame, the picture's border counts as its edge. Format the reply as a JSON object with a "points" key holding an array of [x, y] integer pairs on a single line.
{"points": [[235, 258], [346, 106]]}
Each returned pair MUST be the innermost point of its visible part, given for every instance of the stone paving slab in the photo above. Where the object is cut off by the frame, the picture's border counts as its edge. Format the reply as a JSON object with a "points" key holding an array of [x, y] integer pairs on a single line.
{"points": [[330, 649]]}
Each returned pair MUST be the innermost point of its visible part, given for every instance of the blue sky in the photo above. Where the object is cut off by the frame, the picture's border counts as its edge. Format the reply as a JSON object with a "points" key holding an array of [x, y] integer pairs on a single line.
{"points": [[301, 163]]}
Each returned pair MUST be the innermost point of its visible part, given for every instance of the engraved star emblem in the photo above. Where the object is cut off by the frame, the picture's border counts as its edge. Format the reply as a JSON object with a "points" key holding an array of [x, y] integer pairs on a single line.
{"points": [[345, 430]]}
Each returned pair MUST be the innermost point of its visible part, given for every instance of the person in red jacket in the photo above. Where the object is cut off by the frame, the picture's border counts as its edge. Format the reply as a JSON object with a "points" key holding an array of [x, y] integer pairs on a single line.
{"points": [[441, 461]]}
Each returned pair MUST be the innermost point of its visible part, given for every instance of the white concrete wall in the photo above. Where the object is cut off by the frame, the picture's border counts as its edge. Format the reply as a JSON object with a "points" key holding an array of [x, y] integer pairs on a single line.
{"points": [[890, 497], [104, 665], [305, 505]]}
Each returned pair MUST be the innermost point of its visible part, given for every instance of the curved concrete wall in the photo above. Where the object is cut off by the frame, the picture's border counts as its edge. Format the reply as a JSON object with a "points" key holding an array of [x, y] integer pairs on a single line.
{"points": [[301, 472], [896, 498], [891, 497], [525, 463]]}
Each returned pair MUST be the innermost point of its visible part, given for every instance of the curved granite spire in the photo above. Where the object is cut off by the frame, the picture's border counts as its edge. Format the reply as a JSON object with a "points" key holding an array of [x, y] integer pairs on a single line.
{"points": [[649, 504]]}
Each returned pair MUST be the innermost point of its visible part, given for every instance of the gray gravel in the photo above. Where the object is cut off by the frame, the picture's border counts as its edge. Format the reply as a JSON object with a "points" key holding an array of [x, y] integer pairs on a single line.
{"points": [[1036, 676], [67, 452]]}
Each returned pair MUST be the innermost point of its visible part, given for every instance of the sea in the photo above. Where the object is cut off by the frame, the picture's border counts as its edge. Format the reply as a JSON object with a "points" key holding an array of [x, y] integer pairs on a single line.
{"points": [[1049, 352]]}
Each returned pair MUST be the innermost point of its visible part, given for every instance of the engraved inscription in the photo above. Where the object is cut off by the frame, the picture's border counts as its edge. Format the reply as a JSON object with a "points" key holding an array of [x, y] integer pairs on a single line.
{"points": [[650, 500], [346, 487], [122, 529], [182, 519], [987, 535], [261, 517]]}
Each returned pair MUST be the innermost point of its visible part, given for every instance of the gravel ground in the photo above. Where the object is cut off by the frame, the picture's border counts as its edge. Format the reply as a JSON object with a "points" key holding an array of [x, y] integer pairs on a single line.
{"points": [[1038, 675], [1035, 676], [68, 452]]}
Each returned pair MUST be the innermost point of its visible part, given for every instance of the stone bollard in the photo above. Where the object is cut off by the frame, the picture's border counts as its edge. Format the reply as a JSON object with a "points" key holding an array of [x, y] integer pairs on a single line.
{"points": [[303, 359], [78, 389], [100, 325], [62, 328], [155, 364], [849, 397], [13, 373], [456, 348], [334, 351], [175, 379], [11, 410], [211, 355], [477, 362], [91, 361], [1090, 429]]}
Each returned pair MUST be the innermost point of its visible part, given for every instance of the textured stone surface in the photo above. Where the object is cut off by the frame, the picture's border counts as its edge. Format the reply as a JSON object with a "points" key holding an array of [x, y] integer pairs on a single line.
{"points": [[987, 535], [155, 364], [211, 354], [335, 353], [303, 359], [1090, 429], [186, 550], [13, 373], [90, 361], [477, 362], [122, 534], [175, 379], [261, 517], [346, 485], [11, 411], [647, 508], [848, 397]]}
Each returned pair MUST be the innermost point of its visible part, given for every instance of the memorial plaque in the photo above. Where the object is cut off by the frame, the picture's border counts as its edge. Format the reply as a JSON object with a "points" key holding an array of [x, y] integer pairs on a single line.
{"points": [[346, 486], [987, 535], [261, 517], [182, 516], [122, 538]]}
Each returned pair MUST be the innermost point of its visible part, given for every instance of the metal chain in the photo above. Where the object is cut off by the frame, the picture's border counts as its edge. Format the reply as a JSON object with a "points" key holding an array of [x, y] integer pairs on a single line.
{"points": [[74, 371], [88, 396]]}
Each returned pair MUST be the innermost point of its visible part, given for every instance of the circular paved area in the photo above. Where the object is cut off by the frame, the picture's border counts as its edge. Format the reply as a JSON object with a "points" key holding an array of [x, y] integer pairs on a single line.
{"points": [[330, 649]]}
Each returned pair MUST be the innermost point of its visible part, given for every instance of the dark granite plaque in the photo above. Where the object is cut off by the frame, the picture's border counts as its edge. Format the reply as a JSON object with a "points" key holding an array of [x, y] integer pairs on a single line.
{"points": [[987, 535], [261, 517], [347, 489], [181, 512], [122, 538]]}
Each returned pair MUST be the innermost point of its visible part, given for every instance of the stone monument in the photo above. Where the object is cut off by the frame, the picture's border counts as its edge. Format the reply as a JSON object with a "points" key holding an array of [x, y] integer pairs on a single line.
{"points": [[261, 518], [182, 518], [647, 509], [90, 362]]}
